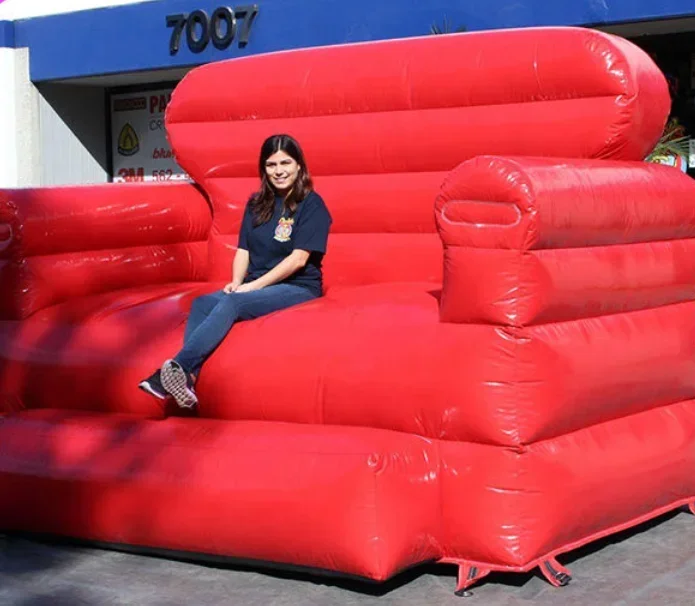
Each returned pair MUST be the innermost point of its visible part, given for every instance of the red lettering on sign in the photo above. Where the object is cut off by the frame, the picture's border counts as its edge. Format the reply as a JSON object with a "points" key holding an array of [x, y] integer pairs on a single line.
{"points": [[131, 174], [158, 103], [162, 154]]}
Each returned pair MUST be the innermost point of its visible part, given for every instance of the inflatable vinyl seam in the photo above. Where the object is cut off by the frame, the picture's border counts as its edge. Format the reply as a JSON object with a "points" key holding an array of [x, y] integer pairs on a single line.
{"points": [[387, 147], [548, 437], [349, 114], [54, 221], [46, 280], [540, 286]]}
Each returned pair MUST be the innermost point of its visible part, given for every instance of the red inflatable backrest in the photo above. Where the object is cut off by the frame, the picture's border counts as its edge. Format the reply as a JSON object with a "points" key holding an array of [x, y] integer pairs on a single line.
{"points": [[382, 123], [63, 243]]}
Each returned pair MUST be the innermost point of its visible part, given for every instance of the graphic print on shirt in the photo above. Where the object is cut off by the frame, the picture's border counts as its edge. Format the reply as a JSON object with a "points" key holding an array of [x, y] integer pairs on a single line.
{"points": [[283, 231]]}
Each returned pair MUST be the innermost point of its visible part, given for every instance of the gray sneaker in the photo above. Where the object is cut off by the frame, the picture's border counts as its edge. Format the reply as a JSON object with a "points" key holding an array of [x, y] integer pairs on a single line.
{"points": [[179, 384]]}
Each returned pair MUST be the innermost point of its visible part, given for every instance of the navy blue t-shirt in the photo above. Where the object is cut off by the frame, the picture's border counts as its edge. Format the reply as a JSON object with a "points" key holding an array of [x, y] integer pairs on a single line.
{"points": [[269, 243]]}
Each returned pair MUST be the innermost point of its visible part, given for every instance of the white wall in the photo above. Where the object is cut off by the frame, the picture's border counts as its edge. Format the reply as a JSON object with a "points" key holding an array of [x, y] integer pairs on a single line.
{"points": [[56, 137], [19, 121], [11, 10], [8, 118], [55, 134]]}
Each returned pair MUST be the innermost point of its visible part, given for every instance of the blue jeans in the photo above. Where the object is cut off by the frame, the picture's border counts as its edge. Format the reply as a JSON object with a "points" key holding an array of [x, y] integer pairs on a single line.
{"points": [[212, 317]]}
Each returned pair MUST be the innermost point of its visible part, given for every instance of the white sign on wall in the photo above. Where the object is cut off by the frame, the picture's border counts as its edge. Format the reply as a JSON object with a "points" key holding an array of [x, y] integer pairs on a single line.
{"points": [[140, 149]]}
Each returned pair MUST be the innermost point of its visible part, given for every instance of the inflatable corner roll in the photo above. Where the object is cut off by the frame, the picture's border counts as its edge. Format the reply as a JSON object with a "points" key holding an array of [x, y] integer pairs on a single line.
{"points": [[500, 371]]}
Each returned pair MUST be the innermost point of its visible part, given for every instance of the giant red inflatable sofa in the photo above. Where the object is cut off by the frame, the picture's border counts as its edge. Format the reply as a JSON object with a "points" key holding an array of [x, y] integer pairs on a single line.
{"points": [[502, 368]]}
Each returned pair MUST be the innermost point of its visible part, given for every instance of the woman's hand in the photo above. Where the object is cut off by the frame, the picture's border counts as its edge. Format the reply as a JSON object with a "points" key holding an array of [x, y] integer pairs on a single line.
{"points": [[232, 287], [239, 288], [248, 287]]}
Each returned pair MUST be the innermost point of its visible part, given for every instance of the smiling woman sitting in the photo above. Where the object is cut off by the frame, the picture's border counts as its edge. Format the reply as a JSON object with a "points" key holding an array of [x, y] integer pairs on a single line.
{"points": [[282, 242]]}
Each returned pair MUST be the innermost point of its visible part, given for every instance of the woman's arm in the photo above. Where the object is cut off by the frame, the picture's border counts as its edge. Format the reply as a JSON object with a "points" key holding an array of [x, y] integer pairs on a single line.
{"points": [[289, 265], [239, 268]]}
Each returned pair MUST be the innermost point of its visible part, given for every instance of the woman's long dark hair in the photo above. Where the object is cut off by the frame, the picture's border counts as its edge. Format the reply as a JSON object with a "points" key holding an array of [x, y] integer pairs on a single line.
{"points": [[263, 202]]}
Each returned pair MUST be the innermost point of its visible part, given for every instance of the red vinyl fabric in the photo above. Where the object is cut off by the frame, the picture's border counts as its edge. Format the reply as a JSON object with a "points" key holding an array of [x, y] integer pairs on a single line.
{"points": [[424, 104], [178, 485], [511, 509], [417, 124], [64, 243], [566, 239], [502, 367]]}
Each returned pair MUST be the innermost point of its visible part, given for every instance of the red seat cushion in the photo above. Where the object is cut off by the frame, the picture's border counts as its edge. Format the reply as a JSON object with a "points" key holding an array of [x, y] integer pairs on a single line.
{"points": [[90, 353], [338, 498]]}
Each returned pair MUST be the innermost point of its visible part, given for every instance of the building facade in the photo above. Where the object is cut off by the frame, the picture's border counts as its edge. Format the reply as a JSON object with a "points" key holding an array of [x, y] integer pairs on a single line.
{"points": [[84, 83]]}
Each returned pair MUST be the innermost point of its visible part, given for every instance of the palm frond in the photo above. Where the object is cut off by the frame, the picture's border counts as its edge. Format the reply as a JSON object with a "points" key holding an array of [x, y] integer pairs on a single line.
{"points": [[446, 28], [673, 147]]}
